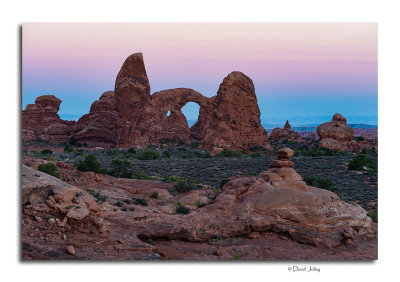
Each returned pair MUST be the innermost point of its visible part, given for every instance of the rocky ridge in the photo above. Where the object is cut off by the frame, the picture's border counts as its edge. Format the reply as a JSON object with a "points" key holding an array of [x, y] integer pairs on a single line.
{"points": [[131, 116], [272, 211]]}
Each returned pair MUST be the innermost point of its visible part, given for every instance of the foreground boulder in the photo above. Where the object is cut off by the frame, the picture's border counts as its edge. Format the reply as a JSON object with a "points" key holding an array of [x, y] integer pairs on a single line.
{"points": [[275, 201], [337, 135]]}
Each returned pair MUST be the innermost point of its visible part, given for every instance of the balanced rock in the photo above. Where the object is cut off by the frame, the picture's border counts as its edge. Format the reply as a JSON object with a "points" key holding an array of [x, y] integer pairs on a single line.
{"points": [[284, 133], [337, 135]]}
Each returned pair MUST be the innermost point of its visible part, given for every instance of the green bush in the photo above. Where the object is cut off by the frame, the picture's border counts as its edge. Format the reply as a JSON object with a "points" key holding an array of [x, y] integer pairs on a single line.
{"points": [[132, 150], [199, 204], [256, 148], [185, 186], [49, 168], [68, 149], [154, 195], [204, 154], [100, 198], [360, 161], [256, 155], [121, 168], [90, 164], [323, 183], [373, 216], [46, 152], [142, 202], [230, 154], [166, 154], [183, 210], [142, 175], [148, 155], [73, 141], [359, 138]]}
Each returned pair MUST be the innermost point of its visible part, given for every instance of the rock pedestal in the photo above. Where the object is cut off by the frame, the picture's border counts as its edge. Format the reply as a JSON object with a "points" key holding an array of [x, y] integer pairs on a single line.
{"points": [[337, 135], [281, 173]]}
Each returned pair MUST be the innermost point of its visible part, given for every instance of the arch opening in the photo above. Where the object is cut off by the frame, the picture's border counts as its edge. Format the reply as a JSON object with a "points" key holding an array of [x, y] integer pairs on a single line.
{"points": [[191, 112], [168, 113]]}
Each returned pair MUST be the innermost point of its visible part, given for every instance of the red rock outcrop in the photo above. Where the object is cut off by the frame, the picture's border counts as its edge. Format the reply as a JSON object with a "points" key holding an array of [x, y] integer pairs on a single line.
{"points": [[314, 223], [284, 133], [41, 120], [130, 116], [337, 135], [98, 127], [235, 120]]}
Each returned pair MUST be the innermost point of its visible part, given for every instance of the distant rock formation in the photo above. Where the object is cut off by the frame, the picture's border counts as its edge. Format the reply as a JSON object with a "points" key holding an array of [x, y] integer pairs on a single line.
{"points": [[337, 135], [41, 120], [284, 133], [130, 116]]}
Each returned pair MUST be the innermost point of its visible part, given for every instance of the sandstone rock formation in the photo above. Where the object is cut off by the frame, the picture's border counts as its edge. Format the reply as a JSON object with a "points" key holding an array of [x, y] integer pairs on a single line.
{"points": [[337, 135], [41, 120], [251, 211], [235, 119], [284, 133], [98, 127], [130, 116]]}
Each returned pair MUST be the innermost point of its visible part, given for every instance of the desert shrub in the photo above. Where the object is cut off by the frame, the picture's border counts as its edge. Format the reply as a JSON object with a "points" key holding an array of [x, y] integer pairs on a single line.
{"points": [[373, 216], [120, 168], [151, 146], [360, 161], [178, 204], [323, 183], [256, 155], [256, 148], [199, 204], [223, 181], [195, 145], [150, 241], [185, 186], [230, 154], [183, 210], [154, 195], [148, 155], [142, 202], [46, 152], [305, 150], [38, 139], [89, 164], [204, 154], [181, 149], [142, 175], [50, 169], [132, 150], [359, 138], [170, 179], [73, 141], [166, 154], [68, 149], [236, 256], [188, 155], [79, 152], [100, 198]]}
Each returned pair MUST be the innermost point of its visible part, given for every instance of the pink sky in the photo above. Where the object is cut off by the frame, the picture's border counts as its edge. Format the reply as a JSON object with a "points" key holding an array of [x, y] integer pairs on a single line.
{"points": [[289, 59]]}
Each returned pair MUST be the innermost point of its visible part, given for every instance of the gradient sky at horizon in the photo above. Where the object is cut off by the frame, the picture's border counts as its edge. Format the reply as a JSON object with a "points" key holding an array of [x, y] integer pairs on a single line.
{"points": [[298, 69]]}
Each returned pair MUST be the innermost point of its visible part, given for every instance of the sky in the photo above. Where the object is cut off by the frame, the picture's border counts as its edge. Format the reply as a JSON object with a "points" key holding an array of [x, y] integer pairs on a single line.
{"points": [[298, 69]]}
